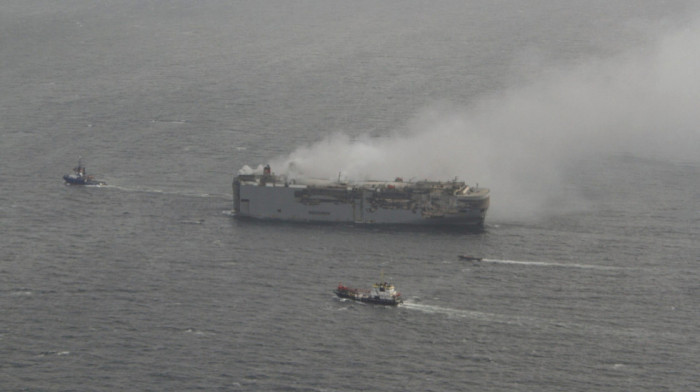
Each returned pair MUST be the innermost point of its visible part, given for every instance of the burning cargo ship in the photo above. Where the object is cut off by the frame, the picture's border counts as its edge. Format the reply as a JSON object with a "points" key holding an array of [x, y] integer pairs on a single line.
{"points": [[273, 197]]}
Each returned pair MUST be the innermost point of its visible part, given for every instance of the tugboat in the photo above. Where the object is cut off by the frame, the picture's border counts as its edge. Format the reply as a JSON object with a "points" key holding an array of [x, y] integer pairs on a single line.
{"points": [[470, 258], [78, 177], [383, 293]]}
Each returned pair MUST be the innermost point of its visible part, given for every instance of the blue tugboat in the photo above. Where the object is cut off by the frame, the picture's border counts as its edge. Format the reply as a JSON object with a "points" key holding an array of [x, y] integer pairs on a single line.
{"points": [[78, 177], [383, 293]]}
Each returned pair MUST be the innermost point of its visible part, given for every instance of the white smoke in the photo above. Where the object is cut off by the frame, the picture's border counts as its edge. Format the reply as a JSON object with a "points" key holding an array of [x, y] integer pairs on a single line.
{"points": [[644, 102]]}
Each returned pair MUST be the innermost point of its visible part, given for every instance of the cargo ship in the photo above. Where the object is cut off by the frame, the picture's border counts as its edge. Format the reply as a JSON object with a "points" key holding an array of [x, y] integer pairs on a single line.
{"points": [[272, 197]]}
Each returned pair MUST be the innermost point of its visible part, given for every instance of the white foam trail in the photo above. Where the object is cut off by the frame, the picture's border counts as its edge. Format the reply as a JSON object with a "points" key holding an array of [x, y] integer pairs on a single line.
{"points": [[21, 293], [165, 192], [551, 264], [530, 322], [470, 314]]}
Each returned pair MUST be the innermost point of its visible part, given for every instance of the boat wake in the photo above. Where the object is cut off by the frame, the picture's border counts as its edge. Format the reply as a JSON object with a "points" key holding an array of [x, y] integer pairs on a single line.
{"points": [[551, 264], [165, 192], [468, 314], [541, 323]]}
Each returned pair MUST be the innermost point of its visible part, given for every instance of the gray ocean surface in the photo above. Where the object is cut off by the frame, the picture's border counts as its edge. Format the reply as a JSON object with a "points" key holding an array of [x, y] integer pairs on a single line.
{"points": [[150, 283]]}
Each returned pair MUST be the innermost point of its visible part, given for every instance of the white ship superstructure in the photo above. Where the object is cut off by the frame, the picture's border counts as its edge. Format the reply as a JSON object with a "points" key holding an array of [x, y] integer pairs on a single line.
{"points": [[268, 196]]}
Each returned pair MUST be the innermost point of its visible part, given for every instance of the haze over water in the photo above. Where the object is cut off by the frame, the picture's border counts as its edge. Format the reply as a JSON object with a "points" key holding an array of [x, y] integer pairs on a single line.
{"points": [[581, 118]]}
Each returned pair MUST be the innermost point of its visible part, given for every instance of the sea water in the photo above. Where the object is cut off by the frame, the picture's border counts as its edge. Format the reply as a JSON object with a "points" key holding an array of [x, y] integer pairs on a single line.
{"points": [[150, 283]]}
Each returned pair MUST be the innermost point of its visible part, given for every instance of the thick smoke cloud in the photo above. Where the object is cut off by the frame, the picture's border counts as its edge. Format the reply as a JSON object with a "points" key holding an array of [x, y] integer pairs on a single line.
{"points": [[518, 143]]}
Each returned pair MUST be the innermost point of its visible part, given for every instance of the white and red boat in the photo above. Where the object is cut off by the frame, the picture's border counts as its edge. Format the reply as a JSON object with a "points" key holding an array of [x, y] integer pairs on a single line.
{"points": [[383, 293]]}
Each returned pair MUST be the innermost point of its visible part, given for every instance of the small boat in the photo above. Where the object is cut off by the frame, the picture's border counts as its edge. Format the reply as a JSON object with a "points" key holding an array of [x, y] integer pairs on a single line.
{"points": [[78, 177], [383, 293], [470, 258]]}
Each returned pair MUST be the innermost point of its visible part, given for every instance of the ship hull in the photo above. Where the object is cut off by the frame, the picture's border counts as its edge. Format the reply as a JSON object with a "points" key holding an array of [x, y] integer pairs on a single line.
{"points": [[75, 180], [360, 205]]}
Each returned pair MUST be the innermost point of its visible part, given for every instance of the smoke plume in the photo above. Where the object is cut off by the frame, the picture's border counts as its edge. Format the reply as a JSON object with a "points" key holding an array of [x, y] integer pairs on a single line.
{"points": [[518, 142]]}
